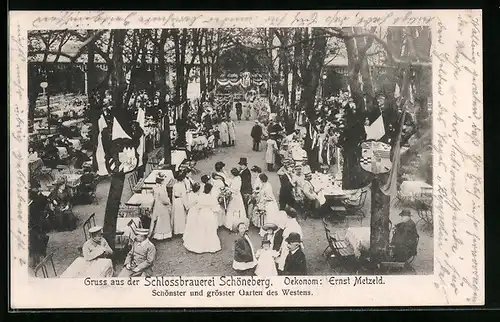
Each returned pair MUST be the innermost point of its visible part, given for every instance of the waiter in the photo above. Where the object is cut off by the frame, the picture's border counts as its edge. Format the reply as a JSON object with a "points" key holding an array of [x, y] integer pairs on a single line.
{"points": [[139, 261], [96, 247]]}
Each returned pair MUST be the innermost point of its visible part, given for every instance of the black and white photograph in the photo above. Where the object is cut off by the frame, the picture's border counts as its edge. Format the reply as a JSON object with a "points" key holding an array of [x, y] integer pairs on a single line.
{"points": [[239, 151]]}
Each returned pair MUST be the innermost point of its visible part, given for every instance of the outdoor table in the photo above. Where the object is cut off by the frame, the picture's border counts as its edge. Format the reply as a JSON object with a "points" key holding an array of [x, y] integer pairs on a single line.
{"points": [[151, 179], [412, 188], [80, 268], [359, 238], [71, 122], [141, 200]]}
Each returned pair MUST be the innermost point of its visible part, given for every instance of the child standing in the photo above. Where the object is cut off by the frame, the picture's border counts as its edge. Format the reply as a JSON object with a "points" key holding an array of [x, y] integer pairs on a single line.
{"points": [[266, 265]]}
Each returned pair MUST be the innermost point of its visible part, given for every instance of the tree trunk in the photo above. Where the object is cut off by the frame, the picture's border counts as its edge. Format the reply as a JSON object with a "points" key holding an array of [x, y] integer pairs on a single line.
{"points": [[118, 85], [379, 223], [163, 105], [183, 78], [178, 68], [286, 66], [295, 70], [362, 47], [311, 80], [92, 99]]}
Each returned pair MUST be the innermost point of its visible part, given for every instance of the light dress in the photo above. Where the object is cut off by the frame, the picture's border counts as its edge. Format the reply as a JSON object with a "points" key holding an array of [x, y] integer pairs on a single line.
{"points": [[190, 237], [236, 209], [231, 130], [272, 147], [291, 226], [203, 238], [179, 206], [267, 201], [161, 218], [266, 264], [224, 132], [217, 186]]}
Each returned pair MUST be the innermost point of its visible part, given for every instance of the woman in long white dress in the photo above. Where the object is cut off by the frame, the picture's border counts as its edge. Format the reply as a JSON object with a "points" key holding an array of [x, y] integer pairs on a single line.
{"points": [[232, 131], [206, 239], [161, 219], [271, 149], [190, 237], [219, 182], [268, 203], [236, 209], [291, 226], [224, 133], [179, 205]]}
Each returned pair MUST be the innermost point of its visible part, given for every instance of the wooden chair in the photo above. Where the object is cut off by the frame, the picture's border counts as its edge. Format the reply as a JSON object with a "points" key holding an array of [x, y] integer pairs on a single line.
{"points": [[132, 180], [328, 232], [138, 186], [425, 215], [43, 267], [356, 209], [129, 212], [89, 223], [343, 252]]}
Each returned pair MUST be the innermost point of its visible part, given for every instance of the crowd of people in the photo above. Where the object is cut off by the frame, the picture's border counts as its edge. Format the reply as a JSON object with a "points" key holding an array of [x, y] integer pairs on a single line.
{"points": [[234, 200]]}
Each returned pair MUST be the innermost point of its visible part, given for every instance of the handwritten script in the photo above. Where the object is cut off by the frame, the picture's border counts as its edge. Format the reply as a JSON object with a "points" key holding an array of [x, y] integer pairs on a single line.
{"points": [[458, 193], [102, 19], [19, 179]]}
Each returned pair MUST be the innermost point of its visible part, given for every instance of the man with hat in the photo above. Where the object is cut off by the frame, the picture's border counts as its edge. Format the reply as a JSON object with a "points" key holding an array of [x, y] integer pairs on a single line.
{"points": [[256, 135], [405, 238], [311, 202], [295, 263], [246, 182], [96, 246], [139, 261]]}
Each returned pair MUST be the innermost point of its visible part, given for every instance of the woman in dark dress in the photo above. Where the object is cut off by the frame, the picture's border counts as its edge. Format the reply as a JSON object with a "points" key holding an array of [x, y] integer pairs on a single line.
{"points": [[60, 208]]}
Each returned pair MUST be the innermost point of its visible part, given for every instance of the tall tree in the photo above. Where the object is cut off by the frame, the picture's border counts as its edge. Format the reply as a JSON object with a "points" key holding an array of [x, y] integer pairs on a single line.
{"points": [[118, 86], [313, 70]]}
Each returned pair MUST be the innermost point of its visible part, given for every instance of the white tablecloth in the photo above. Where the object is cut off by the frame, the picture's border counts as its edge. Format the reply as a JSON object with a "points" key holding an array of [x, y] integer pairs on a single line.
{"points": [[331, 187], [143, 200], [359, 238], [151, 179], [102, 267], [412, 188]]}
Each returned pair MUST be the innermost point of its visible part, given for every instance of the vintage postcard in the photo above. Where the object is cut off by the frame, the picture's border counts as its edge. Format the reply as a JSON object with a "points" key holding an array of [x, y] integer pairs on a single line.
{"points": [[246, 159]]}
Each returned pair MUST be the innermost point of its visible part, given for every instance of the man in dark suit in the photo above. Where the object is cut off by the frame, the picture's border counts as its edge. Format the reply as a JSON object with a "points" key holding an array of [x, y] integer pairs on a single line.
{"points": [[246, 182], [405, 238], [256, 135], [286, 187], [239, 110], [295, 263], [244, 259]]}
